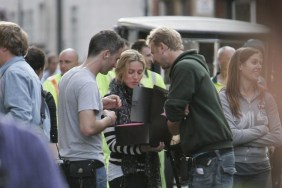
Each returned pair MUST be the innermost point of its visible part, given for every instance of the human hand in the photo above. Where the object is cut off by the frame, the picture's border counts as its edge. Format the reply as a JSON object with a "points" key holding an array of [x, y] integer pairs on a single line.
{"points": [[175, 140], [111, 102], [148, 148], [263, 128], [111, 115], [163, 114], [186, 111], [271, 150]]}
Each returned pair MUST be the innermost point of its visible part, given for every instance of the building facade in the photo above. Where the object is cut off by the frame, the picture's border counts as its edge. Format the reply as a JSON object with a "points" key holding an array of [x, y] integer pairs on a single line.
{"points": [[58, 24]]}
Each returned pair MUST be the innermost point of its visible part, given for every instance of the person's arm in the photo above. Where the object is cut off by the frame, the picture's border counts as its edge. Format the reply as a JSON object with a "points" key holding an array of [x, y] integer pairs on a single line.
{"points": [[240, 135], [111, 102], [89, 125], [110, 135], [89, 103], [274, 136], [181, 90], [173, 127]]}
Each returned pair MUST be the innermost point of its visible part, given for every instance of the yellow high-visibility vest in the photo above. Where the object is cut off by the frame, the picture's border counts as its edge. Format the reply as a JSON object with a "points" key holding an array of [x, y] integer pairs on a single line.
{"points": [[151, 79], [51, 85]]}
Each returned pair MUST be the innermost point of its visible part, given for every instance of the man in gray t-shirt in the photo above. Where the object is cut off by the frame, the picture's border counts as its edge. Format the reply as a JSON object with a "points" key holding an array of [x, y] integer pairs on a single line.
{"points": [[80, 108]]}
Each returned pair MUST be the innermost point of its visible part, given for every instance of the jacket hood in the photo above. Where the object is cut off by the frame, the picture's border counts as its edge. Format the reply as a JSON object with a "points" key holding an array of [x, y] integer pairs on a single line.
{"points": [[191, 54]]}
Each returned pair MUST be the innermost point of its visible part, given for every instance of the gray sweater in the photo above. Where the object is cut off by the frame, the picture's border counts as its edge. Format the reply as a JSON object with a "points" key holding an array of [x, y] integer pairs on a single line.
{"points": [[258, 127]]}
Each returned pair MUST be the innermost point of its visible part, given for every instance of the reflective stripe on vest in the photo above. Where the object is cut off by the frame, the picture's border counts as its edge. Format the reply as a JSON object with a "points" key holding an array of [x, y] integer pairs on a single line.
{"points": [[53, 81]]}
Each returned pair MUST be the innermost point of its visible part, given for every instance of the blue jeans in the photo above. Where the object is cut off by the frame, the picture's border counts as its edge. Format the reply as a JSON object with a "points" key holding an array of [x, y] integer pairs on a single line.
{"points": [[261, 180], [216, 173], [101, 177]]}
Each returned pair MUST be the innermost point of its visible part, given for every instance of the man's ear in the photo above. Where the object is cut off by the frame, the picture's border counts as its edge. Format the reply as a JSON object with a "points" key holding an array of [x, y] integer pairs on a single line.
{"points": [[163, 46], [4, 49], [106, 54], [240, 67]]}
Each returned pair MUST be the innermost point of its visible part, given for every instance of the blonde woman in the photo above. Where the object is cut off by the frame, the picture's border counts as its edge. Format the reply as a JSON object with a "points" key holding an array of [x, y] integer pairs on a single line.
{"points": [[132, 165]]}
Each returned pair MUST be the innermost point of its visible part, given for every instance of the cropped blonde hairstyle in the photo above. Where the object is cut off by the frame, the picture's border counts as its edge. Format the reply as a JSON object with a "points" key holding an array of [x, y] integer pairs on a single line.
{"points": [[14, 38], [170, 37], [126, 58]]}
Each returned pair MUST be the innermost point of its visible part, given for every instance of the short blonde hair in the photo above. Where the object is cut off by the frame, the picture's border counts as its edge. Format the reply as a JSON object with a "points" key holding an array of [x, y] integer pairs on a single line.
{"points": [[170, 37], [14, 38], [126, 58]]}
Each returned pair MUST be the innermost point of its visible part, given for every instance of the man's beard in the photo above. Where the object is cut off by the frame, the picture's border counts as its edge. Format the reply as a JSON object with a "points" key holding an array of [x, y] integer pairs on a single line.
{"points": [[165, 66]]}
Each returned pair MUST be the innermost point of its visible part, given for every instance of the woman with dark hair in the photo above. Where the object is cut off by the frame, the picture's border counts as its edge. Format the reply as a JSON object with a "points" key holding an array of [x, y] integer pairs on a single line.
{"points": [[253, 118]]}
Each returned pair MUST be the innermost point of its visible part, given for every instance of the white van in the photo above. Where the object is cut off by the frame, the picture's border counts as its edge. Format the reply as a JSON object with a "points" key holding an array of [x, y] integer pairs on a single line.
{"points": [[206, 35]]}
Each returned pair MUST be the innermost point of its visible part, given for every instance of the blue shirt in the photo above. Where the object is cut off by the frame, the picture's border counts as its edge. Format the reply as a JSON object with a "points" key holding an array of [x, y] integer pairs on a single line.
{"points": [[20, 91]]}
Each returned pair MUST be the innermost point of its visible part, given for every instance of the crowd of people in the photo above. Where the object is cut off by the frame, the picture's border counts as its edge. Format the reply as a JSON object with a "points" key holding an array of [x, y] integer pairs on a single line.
{"points": [[228, 125]]}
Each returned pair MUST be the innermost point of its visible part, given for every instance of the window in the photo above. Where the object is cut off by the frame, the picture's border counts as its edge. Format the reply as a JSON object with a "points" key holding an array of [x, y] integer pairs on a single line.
{"points": [[244, 10], [74, 26]]}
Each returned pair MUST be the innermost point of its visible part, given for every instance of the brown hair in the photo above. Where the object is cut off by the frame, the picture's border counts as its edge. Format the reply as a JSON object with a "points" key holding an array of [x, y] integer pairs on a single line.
{"points": [[233, 78], [14, 38], [127, 57]]}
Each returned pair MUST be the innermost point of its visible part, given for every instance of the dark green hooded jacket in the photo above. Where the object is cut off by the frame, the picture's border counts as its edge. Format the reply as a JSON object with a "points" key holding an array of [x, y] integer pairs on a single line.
{"points": [[205, 128]]}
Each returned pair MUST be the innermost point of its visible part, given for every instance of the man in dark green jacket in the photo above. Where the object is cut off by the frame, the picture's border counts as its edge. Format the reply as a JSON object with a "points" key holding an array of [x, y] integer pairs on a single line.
{"points": [[194, 111]]}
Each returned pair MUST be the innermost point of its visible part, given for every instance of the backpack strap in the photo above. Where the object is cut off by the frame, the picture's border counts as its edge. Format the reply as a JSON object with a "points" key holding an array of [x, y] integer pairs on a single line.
{"points": [[53, 117], [43, 106]]}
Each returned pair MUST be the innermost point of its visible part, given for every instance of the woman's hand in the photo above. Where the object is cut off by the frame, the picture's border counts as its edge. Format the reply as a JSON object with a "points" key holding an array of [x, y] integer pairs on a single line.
{"points": [[148, 148], [111, 102]]}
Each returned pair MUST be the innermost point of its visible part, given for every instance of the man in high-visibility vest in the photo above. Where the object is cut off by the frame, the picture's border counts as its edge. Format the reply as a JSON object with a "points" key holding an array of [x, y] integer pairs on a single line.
{"points": [[51, 67], [150, 78], [68, 59], [103, 81], [224, 55]]}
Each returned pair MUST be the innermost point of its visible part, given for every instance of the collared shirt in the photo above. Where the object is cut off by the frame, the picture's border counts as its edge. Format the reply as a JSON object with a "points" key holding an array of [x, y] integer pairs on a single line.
{"points": [[20, 91]]}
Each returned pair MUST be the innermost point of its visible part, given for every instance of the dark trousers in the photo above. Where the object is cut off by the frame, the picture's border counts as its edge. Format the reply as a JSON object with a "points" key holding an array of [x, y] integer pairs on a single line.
{"points": [[261, 180], [276, 166], [82, 183], [138, 180]]}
